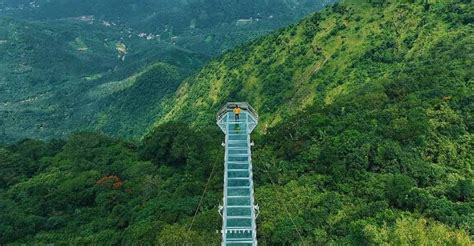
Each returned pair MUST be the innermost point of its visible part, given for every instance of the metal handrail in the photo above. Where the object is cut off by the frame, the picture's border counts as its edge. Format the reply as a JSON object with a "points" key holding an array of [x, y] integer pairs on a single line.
{"points": [[229, 107]]}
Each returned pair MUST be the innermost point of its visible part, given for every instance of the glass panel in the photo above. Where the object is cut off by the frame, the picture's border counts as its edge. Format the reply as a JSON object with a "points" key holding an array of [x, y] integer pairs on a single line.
{"points": [[238, 166], [239, 234], [239, 222], [241, 201], [238, 244], [239, 211], [238, 136], [237, 144], [238, 151], [238, 174], [237, 158], [238, 182], [237, 132], [235, 126], [238, 192]]}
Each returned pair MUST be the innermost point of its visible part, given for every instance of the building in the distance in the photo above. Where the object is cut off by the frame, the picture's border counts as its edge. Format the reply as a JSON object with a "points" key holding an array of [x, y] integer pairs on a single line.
{"points": [[174, 39], [243, 22]]}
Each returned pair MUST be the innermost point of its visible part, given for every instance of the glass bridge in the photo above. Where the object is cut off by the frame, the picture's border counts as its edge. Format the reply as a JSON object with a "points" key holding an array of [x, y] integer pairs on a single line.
{"points": [[239, 210]]}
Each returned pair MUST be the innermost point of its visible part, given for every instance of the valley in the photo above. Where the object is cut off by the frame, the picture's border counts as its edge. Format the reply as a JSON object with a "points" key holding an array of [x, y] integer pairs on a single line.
{"points": [[65, 69], [365, 137]]}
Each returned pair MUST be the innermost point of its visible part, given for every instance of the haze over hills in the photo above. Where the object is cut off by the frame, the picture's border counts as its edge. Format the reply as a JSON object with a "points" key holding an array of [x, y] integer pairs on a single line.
{"points": [[366, 138], [207, 27], [72, 65]]}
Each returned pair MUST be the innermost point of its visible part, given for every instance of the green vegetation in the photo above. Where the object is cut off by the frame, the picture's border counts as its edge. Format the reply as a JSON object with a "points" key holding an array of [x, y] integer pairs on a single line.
{"points": [[366, 122], [332, 54], [69, 65], [366, 138], [61, 76], [96, 190], [135, 108], [194, 21]]}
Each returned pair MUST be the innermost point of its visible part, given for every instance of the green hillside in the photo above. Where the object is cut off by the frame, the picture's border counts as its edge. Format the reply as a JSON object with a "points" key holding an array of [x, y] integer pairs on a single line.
{"points": [[333, 54], [366, 138], [128, 111], [370, 102], [62, 76], [68, 65]]}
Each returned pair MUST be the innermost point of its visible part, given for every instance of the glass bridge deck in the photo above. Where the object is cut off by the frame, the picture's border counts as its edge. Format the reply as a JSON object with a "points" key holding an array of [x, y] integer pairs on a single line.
{"points": [[239, 227]]}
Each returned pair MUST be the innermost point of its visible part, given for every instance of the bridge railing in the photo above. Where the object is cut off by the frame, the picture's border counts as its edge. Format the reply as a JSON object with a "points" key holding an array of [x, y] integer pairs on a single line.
{"points": [[229, 107]]}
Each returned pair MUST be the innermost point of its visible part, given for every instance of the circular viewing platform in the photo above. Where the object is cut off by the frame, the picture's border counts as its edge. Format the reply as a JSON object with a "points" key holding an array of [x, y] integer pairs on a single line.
{"points": [[248, 114]]}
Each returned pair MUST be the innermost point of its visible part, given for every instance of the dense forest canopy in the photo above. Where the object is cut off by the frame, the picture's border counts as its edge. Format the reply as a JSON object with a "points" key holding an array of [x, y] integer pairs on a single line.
{"points": [[157, 15], [73, 64], [366, 138]]}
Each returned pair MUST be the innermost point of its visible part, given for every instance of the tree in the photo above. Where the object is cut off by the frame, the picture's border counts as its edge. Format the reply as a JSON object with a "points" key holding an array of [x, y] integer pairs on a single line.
{"points": [[397, 190]]}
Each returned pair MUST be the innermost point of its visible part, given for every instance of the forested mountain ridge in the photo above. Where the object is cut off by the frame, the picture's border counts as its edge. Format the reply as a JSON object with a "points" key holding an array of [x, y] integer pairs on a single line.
{"points": [[74, 65], [368, 142]]}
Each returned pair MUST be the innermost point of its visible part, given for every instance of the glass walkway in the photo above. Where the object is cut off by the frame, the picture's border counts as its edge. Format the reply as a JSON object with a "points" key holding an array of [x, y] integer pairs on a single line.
{"points": [[239, 210]]}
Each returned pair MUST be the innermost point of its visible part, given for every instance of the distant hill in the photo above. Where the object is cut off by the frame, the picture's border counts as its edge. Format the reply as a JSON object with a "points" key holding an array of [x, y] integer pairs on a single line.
{"points": [[208, 26], [69, 65], [57, 76]]}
